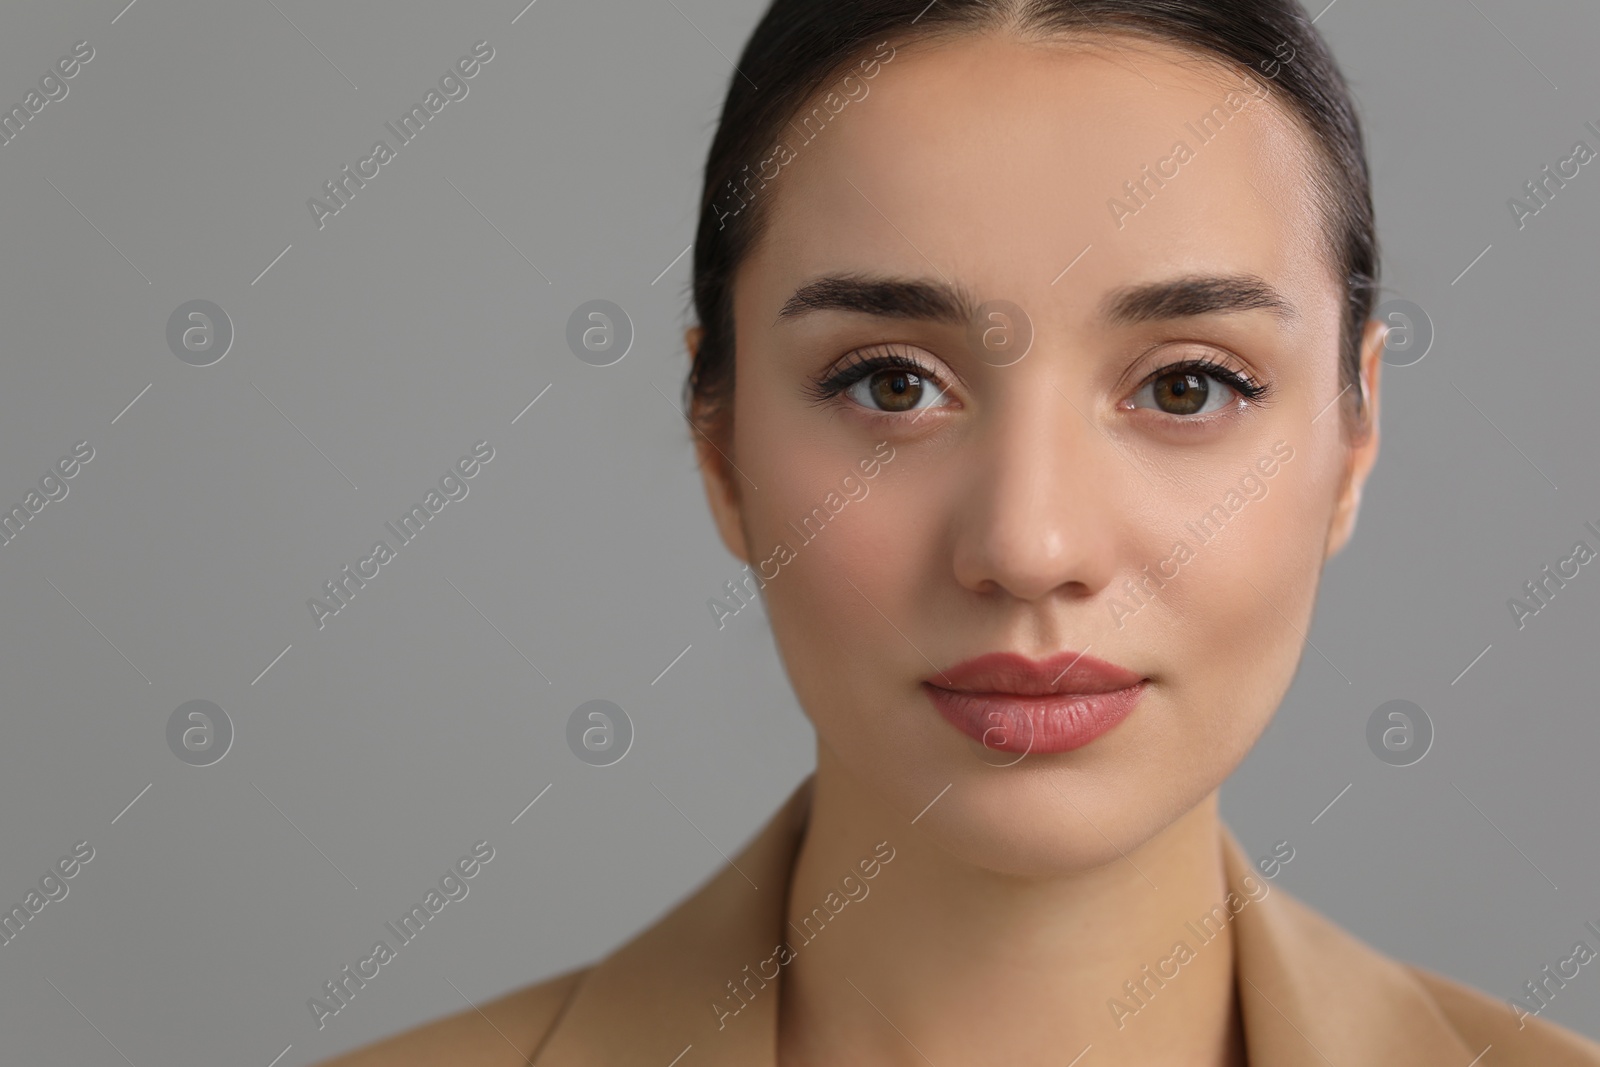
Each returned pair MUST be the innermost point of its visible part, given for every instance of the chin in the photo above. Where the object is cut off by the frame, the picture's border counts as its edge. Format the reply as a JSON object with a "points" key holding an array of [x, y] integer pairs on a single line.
{"points": [[1016, 820], [1046, 815]]}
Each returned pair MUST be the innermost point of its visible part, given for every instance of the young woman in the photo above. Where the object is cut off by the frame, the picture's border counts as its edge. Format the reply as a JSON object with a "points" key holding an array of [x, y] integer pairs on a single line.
{"points": [[1034, 380]]}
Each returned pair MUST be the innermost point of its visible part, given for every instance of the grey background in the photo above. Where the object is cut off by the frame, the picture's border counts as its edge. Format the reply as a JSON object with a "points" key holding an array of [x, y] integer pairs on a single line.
{"points": [[378, 349]]}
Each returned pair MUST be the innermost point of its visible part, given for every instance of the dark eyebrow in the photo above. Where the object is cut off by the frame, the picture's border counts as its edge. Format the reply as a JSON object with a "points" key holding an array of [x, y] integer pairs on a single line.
{"points": [[1194, 295], [899, 298]]}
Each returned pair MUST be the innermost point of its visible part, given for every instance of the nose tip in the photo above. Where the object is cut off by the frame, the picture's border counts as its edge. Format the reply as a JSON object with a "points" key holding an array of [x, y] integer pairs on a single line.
{"points": [[1039, 514]]}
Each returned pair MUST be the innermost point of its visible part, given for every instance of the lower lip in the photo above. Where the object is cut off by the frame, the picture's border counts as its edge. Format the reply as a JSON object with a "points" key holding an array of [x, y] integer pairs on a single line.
{"points": [[1052, 723]]}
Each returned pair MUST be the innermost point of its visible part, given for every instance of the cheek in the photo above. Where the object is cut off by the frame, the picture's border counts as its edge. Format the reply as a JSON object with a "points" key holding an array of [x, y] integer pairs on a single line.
{"points": [[853, 582], [840, 581], [1237, 611]]}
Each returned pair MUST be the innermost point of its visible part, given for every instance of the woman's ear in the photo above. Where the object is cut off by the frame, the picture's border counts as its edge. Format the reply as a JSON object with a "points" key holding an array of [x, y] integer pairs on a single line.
{"points": [[716, 474], [1363, 449]]}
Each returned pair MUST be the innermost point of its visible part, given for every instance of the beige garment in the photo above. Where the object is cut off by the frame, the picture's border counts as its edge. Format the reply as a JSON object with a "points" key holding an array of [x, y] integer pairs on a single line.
{"points": [[1311, 995]]}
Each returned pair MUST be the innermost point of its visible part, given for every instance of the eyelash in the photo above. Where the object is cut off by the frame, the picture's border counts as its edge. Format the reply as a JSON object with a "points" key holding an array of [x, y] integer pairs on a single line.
{"points": [[859, 365], [1246, 387]]}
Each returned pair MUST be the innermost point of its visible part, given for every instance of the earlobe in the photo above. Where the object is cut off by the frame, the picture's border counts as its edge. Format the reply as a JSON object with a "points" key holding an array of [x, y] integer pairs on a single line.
{"points": [[1363, 445], [722, 495]]}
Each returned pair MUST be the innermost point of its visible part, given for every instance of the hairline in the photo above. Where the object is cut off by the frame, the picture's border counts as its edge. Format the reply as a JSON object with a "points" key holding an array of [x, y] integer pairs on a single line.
{"points": [[1322, 168]]}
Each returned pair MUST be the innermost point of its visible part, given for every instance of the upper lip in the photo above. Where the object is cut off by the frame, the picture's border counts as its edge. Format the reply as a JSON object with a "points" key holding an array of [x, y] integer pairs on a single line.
{"points": [[1011, 672]]}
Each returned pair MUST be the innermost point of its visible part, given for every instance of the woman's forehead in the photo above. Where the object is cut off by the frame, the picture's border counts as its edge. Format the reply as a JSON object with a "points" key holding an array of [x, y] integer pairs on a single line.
{"points": [[996, 162]]}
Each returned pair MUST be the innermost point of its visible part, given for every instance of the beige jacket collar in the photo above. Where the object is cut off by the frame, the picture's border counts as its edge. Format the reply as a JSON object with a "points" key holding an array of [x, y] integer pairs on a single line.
{"points": [[1311, 995]]}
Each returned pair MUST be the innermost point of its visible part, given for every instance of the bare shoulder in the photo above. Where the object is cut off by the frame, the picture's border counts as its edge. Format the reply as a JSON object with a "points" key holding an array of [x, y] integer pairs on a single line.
{"points": [[503, 1032], [1513, 1038]]}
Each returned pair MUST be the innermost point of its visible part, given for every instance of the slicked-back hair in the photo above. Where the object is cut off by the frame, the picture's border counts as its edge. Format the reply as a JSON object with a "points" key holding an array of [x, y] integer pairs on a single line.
{"points": [[800, 46]]}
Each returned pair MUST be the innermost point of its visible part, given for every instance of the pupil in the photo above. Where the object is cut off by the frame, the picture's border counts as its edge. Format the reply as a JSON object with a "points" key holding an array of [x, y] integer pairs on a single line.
{"points": [[1181, 393], [897, 390]]}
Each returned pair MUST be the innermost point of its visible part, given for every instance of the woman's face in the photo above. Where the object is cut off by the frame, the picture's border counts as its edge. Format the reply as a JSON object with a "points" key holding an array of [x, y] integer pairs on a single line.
{"points": [[1149, 217]]}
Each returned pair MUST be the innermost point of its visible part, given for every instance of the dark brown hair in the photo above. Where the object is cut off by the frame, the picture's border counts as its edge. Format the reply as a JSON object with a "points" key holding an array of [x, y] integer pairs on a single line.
{"points": [[800, 45]]}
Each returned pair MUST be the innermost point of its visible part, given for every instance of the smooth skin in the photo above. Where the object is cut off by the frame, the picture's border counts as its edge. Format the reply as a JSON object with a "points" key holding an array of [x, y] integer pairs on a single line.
{"points": [[1018, 501]]}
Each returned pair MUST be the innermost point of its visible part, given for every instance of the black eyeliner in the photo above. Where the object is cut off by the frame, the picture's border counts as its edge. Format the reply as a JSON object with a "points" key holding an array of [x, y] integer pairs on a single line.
{"points": [[1245, 387], [857, 367]]}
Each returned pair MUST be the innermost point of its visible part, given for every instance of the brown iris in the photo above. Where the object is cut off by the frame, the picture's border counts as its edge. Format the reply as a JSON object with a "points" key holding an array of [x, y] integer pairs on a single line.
{"points": [[896, 390], [1181, 392]]}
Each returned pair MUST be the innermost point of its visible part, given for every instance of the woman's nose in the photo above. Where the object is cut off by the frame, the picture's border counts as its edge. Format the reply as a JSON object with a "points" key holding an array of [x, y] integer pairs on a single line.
{"points": [[1045, 491]]}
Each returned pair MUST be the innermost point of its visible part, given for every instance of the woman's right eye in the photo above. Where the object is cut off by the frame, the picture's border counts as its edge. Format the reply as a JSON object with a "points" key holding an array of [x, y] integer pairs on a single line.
{"points": [[884, 381], [894, 390]]}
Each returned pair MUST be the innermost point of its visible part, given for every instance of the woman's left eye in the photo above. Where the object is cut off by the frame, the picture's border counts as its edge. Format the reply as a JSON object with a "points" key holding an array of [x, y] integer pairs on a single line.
{"points": [[1193, 389]]}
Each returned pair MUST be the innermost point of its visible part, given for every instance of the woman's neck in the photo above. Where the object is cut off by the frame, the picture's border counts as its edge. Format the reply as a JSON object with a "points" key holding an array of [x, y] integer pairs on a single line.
{"points": [[935, 960]]}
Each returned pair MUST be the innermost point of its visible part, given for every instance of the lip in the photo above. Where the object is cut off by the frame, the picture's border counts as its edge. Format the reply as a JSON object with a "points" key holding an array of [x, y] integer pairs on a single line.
{"points": [[1011, 703]]}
